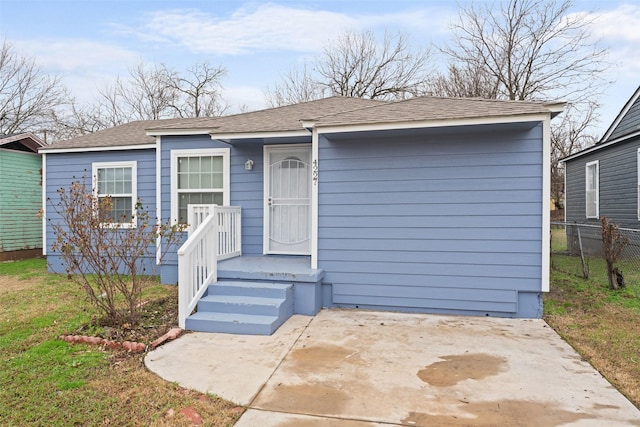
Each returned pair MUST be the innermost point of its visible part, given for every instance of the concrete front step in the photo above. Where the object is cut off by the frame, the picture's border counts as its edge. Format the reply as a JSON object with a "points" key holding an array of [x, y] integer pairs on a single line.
{"points": [[238, 307], [253, 289], [233, 323], [242, 304]]}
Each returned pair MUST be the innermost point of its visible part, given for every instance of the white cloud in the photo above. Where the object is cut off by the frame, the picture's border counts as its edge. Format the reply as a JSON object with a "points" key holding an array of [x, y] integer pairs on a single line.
{"points": [[275, 27], [68, 55], [268, 27], [618, 29], [84, 65]]}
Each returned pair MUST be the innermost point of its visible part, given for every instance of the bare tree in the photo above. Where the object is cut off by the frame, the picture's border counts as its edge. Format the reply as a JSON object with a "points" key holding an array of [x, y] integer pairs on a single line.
{"points": [[198, 94], [357, 65], [297, 85], [465, 81], [534, 48], [148, 94], [29, 98]]}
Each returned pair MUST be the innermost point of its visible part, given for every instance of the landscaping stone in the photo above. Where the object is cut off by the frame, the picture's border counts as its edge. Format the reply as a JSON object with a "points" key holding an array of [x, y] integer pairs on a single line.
{"points": [[191, 415], [169, 336]]}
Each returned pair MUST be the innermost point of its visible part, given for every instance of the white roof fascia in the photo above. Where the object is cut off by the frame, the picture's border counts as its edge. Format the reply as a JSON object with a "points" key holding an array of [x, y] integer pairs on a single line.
{"points": [[93, 149], [178, 132], [429, 123], [600, 146], [621, 115], [257, 135]]}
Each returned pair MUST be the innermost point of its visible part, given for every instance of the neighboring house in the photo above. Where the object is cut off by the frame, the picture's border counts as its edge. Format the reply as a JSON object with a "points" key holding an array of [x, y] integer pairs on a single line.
{"points": [[436, 205], [20, 196], [603, 180]]}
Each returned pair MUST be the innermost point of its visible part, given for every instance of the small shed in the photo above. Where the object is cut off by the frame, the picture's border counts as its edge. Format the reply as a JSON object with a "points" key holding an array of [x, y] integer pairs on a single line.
{"points": [[20, 196]]}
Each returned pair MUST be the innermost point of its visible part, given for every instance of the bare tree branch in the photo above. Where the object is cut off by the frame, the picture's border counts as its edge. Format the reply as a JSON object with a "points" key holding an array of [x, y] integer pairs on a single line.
{"points": [[357, 65], [29, 99]]}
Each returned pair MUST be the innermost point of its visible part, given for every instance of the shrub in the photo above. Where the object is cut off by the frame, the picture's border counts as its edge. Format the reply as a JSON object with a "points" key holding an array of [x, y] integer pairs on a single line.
{"points": [[106, 255]]}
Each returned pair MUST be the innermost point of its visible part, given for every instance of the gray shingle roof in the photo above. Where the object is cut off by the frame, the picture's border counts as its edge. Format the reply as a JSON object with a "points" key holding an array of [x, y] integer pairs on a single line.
{"points": [[333, 111], [280, 119], [133, 133], [432, 109]]}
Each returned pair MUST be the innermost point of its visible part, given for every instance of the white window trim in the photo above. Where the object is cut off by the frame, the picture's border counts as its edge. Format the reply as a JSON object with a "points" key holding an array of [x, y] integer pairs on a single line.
{"points": [[226, 166], [597, 189], [134, 187]]}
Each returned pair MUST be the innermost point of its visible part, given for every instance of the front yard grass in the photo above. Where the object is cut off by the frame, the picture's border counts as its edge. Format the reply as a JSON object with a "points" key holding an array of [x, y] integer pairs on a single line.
{"points": [[46, 381], [603, 325]]}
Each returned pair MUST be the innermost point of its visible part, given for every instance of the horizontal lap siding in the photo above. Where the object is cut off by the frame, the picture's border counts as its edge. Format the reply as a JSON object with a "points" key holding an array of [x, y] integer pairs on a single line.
{"points": [[618, 182], [435, 222], [64, 168], [246, 186], [247, 191], [20, 201]]}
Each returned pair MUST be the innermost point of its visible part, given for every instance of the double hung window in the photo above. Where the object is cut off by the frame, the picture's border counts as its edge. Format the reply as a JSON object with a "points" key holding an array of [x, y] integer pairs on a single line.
{"points": [[198, 177], [115, 183], [592, 190]]}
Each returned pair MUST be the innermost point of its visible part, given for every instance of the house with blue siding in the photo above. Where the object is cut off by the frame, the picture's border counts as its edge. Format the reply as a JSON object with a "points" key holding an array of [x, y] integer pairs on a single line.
{"points": [[604, 180], [433, 205]]}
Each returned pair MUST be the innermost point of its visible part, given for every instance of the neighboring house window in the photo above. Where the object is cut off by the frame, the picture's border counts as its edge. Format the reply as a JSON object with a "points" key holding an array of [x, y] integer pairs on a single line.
{"points": [[117, 180], [198, 177], [591, 190]]}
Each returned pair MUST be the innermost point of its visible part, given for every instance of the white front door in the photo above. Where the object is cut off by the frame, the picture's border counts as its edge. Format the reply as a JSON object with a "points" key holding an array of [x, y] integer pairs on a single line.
{"points": [[288, 200]]}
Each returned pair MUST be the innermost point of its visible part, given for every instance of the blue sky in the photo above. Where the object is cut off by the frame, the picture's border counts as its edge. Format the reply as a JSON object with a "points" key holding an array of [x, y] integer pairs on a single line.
{"points": [[89, 42]]}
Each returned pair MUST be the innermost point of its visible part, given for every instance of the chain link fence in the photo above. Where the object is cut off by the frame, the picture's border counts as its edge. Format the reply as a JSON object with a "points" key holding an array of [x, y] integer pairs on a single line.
{"points": [[577, 248]]}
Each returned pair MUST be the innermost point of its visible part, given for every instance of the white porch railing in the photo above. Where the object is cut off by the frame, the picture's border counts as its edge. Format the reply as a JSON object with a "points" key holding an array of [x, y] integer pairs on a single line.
{"points": [[214, 235]]}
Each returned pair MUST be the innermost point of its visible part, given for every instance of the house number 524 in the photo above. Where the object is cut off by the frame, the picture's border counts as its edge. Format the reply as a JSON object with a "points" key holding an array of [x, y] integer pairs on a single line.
{"points": [[314, 172]]}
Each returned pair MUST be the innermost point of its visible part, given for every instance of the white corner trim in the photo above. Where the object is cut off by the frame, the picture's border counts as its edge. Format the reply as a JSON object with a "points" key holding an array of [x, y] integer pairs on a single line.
{"points": [[546, 203], [159, 197], [315, 182], [44, 204]]}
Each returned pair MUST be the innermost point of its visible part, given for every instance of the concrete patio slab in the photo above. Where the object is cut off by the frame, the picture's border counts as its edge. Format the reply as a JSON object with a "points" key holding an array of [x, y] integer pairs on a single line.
{"points": [[362, 368], [234, 367]]}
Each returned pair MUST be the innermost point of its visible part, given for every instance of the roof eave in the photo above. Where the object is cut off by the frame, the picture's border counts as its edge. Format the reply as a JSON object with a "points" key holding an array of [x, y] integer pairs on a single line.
{"points": [[54, 149], [417, 124], [228, 136], [599, 146], [179, 131]]}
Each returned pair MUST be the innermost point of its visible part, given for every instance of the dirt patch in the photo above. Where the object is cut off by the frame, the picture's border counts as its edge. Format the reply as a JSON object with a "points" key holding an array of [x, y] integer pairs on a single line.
{"points": [[456, 368], [13, 284], [500, 413], [157, 318]]}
